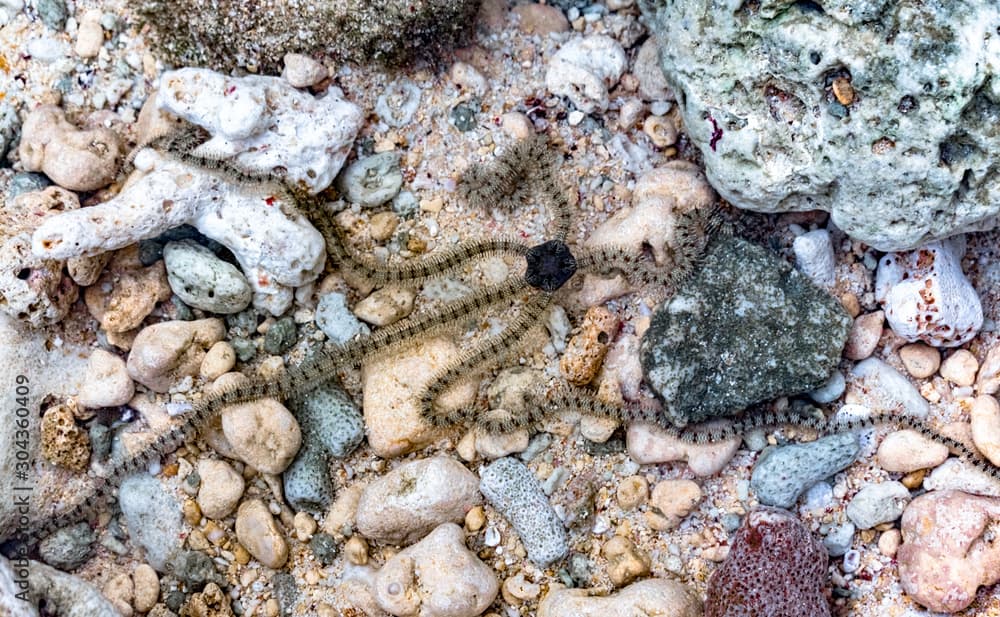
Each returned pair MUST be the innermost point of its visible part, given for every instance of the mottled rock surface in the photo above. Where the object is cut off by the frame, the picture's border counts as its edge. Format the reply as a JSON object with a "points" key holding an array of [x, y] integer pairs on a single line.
{"points": [[805, 105], [746, 327]]}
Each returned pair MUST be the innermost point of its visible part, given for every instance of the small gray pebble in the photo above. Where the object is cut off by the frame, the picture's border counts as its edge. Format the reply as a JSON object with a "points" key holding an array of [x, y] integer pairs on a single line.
{"points": [[463, 117], [536, 446], [281, 336], [245, 349], [68, 547], [174, 600], [285, 590], [580, 570], [153, 517], [53, 13], [838, 540], [100, 441], [24, 182], [878, 503], [336, 320], [324, 547], [194, 568], [405, 204]]}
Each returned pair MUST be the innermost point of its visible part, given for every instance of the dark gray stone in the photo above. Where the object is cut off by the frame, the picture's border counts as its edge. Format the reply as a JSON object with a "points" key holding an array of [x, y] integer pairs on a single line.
{"points": [[745, 328]]}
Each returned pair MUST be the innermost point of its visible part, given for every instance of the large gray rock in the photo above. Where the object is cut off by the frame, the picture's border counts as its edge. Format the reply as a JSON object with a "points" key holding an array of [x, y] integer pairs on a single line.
{"points": [[747, 327], [912, 156]]}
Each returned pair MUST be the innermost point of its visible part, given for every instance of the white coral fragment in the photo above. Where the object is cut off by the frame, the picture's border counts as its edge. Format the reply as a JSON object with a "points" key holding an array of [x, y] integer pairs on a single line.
{"points": [[927, 297], [263, 123], [584, 69], [277, 251]]}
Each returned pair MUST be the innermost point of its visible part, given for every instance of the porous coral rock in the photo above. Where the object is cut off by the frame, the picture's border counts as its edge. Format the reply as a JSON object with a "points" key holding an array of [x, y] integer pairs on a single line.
{"points": [[76, 159], [263, 123], [775, 567], [814, 256], [947, 553], [277, 251], [127, 291], [805, 105], [34, 289], [513, 490], [63, 442], [927, 297], [437, 577]]}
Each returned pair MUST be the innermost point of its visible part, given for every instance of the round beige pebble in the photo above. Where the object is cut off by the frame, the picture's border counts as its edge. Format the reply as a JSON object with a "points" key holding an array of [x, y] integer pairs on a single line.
{"points": [[889, 541], [107, 383], [540, 19], [220, 490], [259, 533], [305, 526], [920, 360], [517, 125], [119, 591], [960, 368], [382, 225], [147, 587], [302, 71], [986, 426], [632, 492], [356, 550], [263, 433], [385, 306], [343, 511], [672, 500], [220, 359], [907, 450], [625, 561], [864, 335], [475, 518]]}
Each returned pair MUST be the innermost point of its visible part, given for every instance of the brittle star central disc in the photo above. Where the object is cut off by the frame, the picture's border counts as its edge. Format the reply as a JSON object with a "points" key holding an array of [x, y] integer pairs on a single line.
{"points": [[550, 265]]}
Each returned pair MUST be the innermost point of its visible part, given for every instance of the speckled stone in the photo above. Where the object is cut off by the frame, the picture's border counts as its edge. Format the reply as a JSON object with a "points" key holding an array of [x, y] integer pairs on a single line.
{"points": [[513, 490], [332, 426], [67, 548], [745, 327], [783, 473]]}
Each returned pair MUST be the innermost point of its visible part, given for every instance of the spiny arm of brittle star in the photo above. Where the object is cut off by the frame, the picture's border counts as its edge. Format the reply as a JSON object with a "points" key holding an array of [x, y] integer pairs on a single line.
{"points": [[296, 380], [526, 168], [566, 397], [486, 353], [438, 263], [382, 341]]}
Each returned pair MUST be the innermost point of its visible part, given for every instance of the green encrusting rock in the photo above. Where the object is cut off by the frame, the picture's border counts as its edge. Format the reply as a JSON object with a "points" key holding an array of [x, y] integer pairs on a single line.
{"points": [[745, 328]]}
